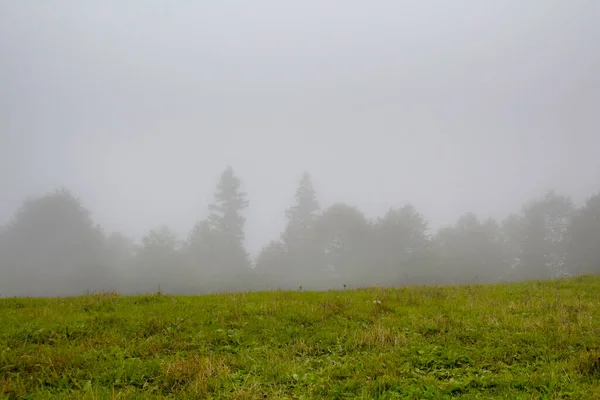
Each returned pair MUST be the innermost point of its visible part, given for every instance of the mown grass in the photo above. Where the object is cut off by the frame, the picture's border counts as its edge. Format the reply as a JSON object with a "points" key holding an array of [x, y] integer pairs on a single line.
{"points": [[512, 341]]}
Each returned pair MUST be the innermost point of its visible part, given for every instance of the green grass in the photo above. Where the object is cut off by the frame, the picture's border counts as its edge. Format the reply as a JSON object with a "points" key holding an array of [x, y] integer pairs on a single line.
{"points": [[532, 340]]}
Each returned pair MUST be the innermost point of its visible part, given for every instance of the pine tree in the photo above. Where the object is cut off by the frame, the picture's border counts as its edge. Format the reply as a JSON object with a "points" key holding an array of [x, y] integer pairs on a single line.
{"points": [[226, 212], [302, 216], [301, 254], [227, 221]]}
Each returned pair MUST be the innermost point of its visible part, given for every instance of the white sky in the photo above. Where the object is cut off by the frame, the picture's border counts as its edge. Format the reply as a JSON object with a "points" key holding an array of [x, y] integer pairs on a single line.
{"points": [[454, 106]]}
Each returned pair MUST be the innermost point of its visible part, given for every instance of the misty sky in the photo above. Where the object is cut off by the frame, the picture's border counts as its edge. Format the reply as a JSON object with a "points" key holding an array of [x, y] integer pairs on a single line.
{"points": [[453, 106]]}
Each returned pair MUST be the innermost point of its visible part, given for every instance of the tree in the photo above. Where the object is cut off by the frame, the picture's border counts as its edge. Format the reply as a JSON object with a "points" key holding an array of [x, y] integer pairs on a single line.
{"points": [[201, 240], [201, 253], [270, 267], [223, 234], [120, 256], [120, 250], [8, 274], [471, 251], [226, 213], [344, 237], [493, 253], [583, 239], [300, 251], [401, 246], [54, 248], [301, 216], [158, 263], [160, 241], [545, 224], [512, 240]]}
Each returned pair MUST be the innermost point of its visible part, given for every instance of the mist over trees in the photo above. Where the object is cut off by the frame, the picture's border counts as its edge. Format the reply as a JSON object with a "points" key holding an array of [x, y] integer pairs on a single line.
{"points": [[52, 247]]}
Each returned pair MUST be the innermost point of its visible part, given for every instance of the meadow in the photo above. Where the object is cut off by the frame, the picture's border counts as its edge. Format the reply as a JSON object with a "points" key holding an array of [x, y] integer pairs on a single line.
{"points": [[525, 340]]}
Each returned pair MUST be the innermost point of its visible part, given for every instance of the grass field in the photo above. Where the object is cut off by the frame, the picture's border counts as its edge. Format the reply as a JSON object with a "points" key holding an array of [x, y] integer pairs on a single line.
{"points": [[533, 340]]}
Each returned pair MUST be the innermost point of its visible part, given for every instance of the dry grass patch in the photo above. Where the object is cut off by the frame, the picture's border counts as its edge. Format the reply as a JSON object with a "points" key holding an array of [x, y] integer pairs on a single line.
{"points": [[195, 372]]}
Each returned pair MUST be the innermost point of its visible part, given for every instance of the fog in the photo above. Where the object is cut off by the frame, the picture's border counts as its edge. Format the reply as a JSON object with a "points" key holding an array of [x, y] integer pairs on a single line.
{"points": [[452, 107]]}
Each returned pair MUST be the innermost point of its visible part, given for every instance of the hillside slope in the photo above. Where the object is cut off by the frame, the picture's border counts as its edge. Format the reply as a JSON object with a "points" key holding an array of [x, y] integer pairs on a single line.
{"points": [[518, 341]]}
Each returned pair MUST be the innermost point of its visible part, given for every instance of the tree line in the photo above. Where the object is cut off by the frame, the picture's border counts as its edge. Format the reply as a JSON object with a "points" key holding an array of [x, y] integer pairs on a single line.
{"points": [[52, 247]]}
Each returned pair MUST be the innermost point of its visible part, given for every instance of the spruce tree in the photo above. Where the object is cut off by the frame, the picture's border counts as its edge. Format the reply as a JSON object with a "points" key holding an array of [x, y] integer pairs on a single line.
{"points": [[302, 256], [227, 221], [301, 216]]}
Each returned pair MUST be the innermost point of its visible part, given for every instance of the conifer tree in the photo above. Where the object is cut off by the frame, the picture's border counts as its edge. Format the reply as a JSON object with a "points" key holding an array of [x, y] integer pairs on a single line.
{"points": [[301, 216], [301, 251], [227, 221]]}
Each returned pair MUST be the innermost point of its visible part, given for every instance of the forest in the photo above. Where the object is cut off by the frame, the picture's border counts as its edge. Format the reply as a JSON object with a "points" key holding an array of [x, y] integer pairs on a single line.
{"points": [[53, 247]]}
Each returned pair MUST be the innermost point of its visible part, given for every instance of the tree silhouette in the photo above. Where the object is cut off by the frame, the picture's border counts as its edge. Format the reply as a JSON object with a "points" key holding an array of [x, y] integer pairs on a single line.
{"points": [[53, 247]]}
